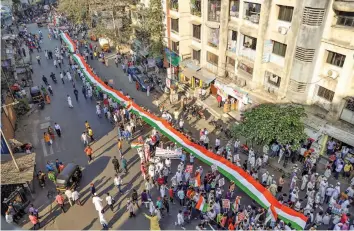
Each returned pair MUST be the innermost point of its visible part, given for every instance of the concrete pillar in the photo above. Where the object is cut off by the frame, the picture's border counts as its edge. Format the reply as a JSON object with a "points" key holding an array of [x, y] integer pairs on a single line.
{"points": [[223, 36]]}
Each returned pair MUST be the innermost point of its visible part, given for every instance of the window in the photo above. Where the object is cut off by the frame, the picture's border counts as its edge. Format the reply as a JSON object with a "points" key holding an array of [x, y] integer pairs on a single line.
{"points": [[234, 8], [175, 47], [285, 13], [231, 62], [250, 42], [234, 35], [345, 18], [212, 58], [252, 12], [335, 59], [273, 79], [213, 37], [196, 55], [196, 31], [174, 25], [174, 5], [245, 68], [279, 48], [214, 8], [196, 6], [325, 93], [231, 45]]}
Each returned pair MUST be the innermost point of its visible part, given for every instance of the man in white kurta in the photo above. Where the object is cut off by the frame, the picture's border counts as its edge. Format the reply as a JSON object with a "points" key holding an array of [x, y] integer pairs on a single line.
{"points": [[97, 202]]}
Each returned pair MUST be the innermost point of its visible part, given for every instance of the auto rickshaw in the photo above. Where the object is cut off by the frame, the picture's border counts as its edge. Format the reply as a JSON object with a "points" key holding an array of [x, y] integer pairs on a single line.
{"points": [[70, 177]]}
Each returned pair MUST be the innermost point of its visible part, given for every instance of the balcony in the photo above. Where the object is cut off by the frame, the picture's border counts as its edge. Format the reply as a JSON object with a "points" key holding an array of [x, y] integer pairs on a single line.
{"points": [[252, 12], [346, 5], [174, 5], [248, 53], [214, 8], [196, 8], [234, 9]]}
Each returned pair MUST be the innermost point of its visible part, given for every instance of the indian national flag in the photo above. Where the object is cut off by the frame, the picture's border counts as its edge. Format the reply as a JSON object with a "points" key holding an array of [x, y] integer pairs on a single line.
{"points": [[271, 214], [198, 180], [136, 145], [202, 205]]}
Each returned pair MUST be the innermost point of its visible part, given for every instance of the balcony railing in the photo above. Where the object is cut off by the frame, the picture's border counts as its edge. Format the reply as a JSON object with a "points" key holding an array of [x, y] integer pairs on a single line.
{"points": [[174, 5], [345, 21], [196, 8], [214, 8]]}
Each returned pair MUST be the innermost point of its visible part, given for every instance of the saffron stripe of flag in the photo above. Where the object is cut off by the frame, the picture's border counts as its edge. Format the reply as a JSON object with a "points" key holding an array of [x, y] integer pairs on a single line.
{"points": [[202, 205]]}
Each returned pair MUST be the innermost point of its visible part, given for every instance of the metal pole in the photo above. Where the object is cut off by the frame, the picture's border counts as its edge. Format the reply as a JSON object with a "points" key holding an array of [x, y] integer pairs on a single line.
{"points": [[11, 153]]}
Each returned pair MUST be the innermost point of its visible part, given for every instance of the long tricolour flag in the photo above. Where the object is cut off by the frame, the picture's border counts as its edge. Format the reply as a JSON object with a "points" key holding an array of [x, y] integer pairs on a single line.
{"points": [[242, 179], [66, 38], [271, 214], [202, 205]]}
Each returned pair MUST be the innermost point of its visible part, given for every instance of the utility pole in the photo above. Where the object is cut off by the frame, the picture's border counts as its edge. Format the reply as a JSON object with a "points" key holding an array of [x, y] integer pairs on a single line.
{"points": [[10, 150]]}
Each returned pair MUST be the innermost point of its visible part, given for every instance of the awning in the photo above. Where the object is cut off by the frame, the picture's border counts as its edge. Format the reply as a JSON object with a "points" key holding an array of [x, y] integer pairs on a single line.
{"points": [[194, 47], [9, 173], [195, 22], [214, 25], [205, 75]]}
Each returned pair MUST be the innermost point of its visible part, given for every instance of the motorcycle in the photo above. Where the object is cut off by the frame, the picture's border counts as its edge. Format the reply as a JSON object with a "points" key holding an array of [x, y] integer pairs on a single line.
{"points": [[245, 149], [201, 113]]}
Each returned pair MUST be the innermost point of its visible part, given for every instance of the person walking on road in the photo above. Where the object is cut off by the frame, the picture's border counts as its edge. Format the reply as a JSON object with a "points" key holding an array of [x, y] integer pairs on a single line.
{"points": [[75, 196], [69, 101], [90, 134], [118, 182], [38, 59], [55, 63], [124, 165], [69, 195], [57, 129], [62, 77], [98, 203], [130, 209], [89, 152], [120, 147], [47, 138], [115, 163], [84, 91], [60, 201], [68, 75], [45, 80], [35, 221], [110, 201], [76, 93], [84, 138]]}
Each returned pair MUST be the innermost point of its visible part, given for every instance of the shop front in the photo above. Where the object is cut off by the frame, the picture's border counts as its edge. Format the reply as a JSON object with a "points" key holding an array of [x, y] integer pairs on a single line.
{"points": [[233, 98]]}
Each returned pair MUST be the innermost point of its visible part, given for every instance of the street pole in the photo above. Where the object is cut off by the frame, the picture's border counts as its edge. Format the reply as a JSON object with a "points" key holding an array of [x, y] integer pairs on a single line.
{"points": [[10, 150]]}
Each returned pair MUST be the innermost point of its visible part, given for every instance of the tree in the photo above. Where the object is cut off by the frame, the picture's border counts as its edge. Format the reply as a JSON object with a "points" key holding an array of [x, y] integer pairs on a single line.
{"points": [[153, 27], [76, 11], [269, 122]]}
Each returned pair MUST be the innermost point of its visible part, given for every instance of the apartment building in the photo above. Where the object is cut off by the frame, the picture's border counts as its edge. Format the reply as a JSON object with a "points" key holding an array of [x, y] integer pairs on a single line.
{"points": [[299, 51]]}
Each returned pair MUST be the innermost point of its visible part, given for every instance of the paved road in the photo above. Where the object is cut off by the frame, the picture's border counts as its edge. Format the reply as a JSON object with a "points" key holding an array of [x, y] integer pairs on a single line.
{"points": [[70, 149]]}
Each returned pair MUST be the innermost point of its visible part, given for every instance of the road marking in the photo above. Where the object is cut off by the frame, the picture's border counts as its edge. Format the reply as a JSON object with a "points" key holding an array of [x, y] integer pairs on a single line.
{"points": [[47, 118], [44, 147]]}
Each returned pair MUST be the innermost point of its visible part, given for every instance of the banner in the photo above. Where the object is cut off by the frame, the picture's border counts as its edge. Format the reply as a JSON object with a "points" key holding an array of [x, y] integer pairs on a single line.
{"points": [[165, 153], [234, 173]]}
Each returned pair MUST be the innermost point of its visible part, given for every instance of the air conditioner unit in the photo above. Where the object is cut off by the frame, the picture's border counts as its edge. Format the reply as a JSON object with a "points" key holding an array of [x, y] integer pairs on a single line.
{"points": [[332, 74], [282, 30]]}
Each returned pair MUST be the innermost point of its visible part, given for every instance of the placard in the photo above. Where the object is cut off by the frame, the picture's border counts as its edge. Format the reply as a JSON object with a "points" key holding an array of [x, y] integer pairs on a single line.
{"points": [[222, 182], [189, 168], [165, 153], [226, 203]]}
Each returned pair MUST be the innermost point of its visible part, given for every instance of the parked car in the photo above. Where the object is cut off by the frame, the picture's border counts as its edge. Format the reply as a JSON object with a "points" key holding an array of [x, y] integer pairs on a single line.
{"points": [[134, 71], [144, 82]]}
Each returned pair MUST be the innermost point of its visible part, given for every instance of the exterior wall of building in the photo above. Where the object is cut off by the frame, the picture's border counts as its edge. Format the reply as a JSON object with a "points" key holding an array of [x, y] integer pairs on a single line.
{"points": [[295, 76]]}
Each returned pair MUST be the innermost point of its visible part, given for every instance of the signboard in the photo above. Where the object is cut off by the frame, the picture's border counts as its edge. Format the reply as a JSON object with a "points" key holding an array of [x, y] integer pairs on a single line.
{"points": [[189, 168], [226, 203], [214, 168], [222, 182], [165, 153]]}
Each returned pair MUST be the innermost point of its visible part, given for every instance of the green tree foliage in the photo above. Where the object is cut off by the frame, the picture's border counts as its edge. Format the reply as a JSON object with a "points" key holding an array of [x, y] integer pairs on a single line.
{"points": [[75, 10], [269, 122], [153, 27]]}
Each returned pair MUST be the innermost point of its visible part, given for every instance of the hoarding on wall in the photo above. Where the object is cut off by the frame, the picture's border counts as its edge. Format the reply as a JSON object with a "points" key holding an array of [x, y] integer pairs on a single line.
{"points": [[225, 90]]}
